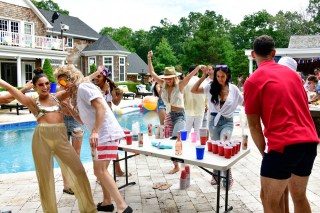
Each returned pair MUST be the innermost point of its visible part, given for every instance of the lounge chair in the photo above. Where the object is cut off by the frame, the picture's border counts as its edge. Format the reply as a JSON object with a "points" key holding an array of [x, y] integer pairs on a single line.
{"points": [[141, 90], [15, 104], [126, 92]]}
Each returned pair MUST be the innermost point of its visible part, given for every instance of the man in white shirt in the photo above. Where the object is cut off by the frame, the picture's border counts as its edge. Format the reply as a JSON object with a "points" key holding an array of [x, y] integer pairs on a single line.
{"points": [[194, 105]]}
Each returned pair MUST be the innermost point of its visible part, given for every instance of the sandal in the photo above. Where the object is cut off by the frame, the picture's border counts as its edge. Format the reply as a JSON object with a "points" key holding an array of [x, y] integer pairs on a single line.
{"points": [[68, 191], [158, 185], [106, 208], [165, 186]]}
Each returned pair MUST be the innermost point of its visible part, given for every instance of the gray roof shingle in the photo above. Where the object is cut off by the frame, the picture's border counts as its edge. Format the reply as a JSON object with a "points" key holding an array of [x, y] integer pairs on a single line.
{"points": [[136, 64], [105, 43], [76, 26], [310, 41]]}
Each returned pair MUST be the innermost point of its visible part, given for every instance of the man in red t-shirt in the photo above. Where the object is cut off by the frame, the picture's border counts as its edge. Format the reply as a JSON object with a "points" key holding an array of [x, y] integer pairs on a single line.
{"points": [[274, 94]]}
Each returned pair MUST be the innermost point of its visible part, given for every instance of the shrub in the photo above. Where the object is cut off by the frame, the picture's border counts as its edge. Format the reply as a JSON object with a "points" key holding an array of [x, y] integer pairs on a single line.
{"points": [[48, 70], [93, 68]]}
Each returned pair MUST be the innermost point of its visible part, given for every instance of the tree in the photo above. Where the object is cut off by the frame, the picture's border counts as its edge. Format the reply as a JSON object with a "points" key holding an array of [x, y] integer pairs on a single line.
{"points": [[313, 12], [48, 70], [163, 57], [49, 5]]}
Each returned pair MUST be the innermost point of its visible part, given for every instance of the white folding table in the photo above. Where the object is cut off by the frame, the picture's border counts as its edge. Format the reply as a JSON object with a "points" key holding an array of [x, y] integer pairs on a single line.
{"points": [[210, 161]]}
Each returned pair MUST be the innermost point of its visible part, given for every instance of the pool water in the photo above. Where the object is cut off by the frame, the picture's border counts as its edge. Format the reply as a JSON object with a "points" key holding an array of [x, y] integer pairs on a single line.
{"points": [[15, 142]]}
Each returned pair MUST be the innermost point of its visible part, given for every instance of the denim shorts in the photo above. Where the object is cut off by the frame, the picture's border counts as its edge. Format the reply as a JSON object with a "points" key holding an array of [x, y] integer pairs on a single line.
{"points": [[296, 159], [224, 126], [178, 121], [161, 104], [73, 126]]}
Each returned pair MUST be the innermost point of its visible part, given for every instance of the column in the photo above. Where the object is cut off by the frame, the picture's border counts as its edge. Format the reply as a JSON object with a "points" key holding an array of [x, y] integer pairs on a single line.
{"points": [[19, 72], [250, 65]]}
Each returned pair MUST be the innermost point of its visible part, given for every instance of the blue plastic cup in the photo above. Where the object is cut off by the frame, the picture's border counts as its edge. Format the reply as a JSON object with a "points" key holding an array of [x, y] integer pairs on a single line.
{"points": [[200, 152], [184, 135]]}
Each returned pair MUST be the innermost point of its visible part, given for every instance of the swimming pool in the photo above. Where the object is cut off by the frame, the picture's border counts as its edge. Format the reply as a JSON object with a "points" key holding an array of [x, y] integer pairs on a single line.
{"points": [[15, 141]]}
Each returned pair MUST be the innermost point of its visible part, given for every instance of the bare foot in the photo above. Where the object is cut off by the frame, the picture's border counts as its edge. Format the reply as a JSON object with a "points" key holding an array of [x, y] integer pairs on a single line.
{"points": [[174, 170]]}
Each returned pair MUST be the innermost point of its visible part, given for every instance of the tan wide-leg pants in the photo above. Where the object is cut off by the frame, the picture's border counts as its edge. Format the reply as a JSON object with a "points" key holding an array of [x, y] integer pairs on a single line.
{"points": [[50, 140]]}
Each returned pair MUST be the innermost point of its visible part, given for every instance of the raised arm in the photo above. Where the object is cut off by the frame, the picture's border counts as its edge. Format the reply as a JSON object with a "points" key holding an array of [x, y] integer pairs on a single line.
{"points": [[17, 94], [186, 79], [196, 87], [95, 74], [151, 70]]}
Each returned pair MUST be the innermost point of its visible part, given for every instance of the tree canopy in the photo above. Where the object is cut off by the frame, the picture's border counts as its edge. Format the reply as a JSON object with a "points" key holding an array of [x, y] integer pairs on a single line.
{"points": [[209, 38], [49, 5]]}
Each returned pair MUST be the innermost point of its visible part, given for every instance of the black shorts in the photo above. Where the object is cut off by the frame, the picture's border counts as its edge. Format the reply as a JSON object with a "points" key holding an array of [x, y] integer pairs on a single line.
{"points": [[296, 159]]}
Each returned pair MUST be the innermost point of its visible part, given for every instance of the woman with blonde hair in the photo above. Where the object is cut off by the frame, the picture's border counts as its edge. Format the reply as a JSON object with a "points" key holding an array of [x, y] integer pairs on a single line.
{"points": [[172, 96], [105, 130], [49, 140]]}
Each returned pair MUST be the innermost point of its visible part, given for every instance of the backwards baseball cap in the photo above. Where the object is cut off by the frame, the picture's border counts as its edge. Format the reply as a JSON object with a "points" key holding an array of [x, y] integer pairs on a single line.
{"points": [[106, 72], [289, 62]]}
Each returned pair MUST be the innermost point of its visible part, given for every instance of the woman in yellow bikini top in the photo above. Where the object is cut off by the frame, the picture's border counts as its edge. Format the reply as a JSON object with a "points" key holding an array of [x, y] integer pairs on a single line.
{"points": [[50, 140], [43, 110]]}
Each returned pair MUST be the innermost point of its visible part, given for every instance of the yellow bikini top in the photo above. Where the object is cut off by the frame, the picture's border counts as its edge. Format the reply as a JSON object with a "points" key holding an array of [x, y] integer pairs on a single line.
{"points": [[43, 110]]}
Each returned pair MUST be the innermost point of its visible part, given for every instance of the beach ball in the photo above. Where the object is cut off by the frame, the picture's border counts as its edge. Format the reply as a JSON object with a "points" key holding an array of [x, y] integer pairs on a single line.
{"points": [[150, 102]]}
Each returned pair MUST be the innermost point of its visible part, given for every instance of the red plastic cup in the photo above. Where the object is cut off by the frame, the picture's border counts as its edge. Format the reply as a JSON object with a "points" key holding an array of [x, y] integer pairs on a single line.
{"points": [[126, 132], [228, 151], [129, 139], [215, 147], [234, 149], [203, 140], [209, 143], [239, 146], [221, 149]]}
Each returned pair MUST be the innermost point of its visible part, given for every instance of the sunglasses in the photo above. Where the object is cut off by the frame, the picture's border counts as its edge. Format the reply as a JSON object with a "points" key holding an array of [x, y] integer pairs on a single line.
{"points": [[221, 67], [63, 82]]}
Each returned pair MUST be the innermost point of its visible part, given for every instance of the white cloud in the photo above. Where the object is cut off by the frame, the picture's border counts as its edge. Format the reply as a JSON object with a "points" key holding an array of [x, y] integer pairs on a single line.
{"points": [[142, 14]]}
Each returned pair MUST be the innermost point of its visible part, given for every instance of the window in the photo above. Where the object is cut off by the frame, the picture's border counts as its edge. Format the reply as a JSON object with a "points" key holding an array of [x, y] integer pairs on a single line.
{"points": [[91, 61], [108, 63], [70, 42], [14, 26], [122, 69], [28, 29], [3, 25], [28, 70]]}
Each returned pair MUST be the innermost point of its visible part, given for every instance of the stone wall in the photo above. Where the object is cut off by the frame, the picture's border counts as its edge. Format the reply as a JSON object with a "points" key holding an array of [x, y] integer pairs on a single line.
{"points": [[18, 13], [74, 53]]}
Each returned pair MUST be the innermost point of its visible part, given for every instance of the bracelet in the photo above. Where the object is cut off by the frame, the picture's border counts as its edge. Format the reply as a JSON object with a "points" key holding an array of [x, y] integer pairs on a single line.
{"points": [[149, 58]]}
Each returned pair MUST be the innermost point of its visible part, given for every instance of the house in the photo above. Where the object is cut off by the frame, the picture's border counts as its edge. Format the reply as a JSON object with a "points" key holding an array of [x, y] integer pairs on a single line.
{"points": [[137, 68], [304, 49], [77, 36], [105, 51], [23, 41], [29, 35]]}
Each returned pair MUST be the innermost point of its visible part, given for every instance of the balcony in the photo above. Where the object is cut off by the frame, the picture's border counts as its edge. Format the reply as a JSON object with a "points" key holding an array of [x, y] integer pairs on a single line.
{"points": [[30, 41]]}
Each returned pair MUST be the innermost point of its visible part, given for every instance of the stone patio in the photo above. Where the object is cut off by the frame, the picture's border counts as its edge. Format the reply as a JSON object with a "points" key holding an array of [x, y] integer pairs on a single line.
{"points": [[19, 191]]}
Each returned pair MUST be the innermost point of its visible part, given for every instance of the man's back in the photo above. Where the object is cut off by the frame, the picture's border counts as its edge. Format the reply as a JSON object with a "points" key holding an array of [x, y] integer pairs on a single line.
{"points": [[276, 94]]}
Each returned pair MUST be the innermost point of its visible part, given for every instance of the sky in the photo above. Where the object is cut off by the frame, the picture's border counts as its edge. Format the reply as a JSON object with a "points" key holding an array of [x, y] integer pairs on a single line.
{"points": [[143, 14]]}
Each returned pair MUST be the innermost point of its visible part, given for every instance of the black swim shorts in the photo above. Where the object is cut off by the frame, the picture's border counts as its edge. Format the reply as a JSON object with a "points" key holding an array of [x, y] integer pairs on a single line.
{"points": [[296, 159]]}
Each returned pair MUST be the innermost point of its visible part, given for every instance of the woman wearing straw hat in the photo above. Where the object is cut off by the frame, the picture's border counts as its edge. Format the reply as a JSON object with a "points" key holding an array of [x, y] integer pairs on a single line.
{"points": [[172, 96]]}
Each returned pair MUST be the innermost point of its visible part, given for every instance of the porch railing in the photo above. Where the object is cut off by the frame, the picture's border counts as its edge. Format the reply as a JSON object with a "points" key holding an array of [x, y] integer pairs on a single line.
{"points": [[30, 41]]}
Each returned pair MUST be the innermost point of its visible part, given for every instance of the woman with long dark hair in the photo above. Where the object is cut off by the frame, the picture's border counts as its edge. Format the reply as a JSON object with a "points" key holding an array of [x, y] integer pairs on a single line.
{"points": [[223, 98], [49, 140]]}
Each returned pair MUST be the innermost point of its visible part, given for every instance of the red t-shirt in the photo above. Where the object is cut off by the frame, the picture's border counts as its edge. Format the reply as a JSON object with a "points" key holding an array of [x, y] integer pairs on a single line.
{"points": [[276, 94]]}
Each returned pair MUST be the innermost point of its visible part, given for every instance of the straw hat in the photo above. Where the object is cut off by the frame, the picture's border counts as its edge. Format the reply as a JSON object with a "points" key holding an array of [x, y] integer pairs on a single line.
{"points": [[169, 72]]}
